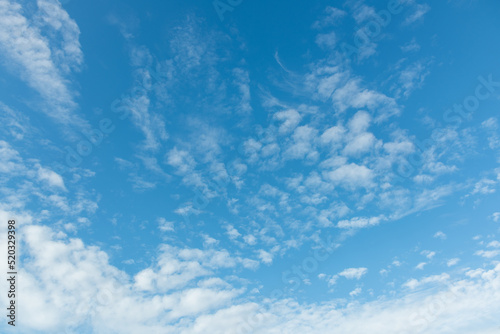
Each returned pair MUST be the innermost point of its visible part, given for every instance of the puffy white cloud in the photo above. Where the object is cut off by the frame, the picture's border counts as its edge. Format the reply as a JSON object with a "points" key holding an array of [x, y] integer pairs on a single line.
{"points": [[165, 225], [353, 273], [352, 176], [440, 235], [70, 285], [265, 257], [421, 265], [494, 244], [484, 186], [303, 145], [333, 136], [488, 253], [359, 144], [232, 232], [52, 178], [359, 122], [355, 292], [351, 95], [428, 254], [250, 239], [177, 268], [290, 119]]}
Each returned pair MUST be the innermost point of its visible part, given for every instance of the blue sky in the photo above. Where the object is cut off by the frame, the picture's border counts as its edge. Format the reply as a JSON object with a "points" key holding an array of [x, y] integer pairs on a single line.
{"points": [[252, 167]]}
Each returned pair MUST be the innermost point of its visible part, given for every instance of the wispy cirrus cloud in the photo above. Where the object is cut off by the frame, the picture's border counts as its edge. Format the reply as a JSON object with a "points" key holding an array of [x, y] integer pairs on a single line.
{"points": [[43, 50]]}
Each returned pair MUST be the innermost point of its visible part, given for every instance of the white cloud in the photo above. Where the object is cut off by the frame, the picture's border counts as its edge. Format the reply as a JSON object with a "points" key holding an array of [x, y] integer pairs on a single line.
{"points": [[353, 273], [40, 62], [52, 178], [421, 265], [290, 118], [488, 254], [355, 292], [137, 107], [418, 14], [165, 225], [494, 244], [352, 176], [484, 186], [250, 239], [351, 95], [440, 235], [303, 144], [414, 283], [332, 17], [428, 254], [360, 122], [181, 160], [68, 54], [11, 162], [177, 268], [13, 122], [70, 285], [360, 222], [359, 144], [452, 262], [412, 77], [232, 232], [364, 13], [242, 81], [332, 280], [265, 257], [327, 41], [333, 136], [411, 46]]}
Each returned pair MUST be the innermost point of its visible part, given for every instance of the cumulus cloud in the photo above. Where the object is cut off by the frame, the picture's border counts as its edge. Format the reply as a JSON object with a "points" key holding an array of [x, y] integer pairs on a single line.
{"points": [[353, 273], [440, 235], [52, 178], [165, 225], [352, 176]]}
